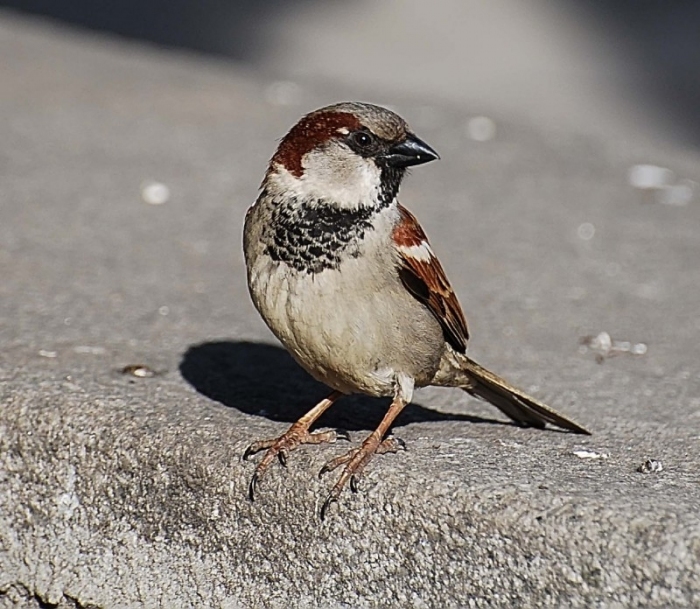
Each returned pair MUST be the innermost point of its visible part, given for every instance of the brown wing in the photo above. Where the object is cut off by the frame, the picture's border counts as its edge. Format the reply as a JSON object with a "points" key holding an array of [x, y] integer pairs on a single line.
{"points": [[423, 276]]}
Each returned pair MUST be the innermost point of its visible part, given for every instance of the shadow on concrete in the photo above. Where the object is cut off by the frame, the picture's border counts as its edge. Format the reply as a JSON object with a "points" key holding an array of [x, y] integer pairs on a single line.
{"points": [[264, 380]]}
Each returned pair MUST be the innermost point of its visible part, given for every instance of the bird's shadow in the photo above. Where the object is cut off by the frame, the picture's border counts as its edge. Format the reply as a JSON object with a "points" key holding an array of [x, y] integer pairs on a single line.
{"points": [[264, 380]]}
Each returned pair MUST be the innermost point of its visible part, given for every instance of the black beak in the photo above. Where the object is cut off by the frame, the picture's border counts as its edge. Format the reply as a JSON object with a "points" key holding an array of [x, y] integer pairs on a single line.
{"points": [[410, 151]]}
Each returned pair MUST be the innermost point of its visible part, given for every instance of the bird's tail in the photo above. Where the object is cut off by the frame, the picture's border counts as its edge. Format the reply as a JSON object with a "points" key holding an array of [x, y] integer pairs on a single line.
{"points": [[512, 402]]}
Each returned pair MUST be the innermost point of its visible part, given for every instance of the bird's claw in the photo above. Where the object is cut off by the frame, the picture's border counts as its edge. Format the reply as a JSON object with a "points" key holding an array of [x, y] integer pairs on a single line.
{"points": [[252, 486], [392, 444], [342, 434], [326, 504], [249, 452], [282, 456]]}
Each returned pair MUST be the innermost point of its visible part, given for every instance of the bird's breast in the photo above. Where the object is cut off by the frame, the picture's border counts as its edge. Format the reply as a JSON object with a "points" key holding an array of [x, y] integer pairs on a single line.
{"points": [[350, 324]]}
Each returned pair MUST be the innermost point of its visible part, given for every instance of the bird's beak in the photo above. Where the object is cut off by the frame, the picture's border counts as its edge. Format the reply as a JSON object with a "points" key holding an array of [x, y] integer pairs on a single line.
{"points": [[410, 151]]}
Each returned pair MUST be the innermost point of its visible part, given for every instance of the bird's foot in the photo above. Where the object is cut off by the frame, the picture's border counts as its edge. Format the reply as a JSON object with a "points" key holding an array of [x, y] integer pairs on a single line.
{"points": [[355, 461], [281, 446]]}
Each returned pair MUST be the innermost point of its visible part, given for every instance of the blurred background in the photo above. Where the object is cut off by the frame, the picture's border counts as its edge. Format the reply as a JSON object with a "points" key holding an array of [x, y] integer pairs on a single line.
{"points": [[616, 66]]}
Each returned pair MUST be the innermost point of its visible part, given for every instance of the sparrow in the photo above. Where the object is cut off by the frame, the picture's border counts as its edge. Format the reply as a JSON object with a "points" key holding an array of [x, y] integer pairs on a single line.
{"points": [[345, 277]]}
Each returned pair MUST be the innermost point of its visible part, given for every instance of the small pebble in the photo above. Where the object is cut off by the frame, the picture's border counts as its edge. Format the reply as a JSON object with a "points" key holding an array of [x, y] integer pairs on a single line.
{"points": [[49, 354], [638, 349], [601, 343], [154, 193], [650, 466], [604, 346], [139, 371], [669, 190], [590, 454], [677, 194], [649, 177]]}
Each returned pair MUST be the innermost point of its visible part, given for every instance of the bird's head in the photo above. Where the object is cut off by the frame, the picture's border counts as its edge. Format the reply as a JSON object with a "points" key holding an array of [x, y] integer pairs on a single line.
{"points": [[349, 155]]}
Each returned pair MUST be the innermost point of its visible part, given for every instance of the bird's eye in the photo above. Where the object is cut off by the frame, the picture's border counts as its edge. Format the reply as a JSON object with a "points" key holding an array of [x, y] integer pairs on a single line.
{"points": [[362, 139]]}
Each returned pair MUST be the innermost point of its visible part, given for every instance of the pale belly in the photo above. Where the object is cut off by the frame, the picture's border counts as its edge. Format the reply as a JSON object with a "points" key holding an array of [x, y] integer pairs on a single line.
{"points": [[351, 338]]}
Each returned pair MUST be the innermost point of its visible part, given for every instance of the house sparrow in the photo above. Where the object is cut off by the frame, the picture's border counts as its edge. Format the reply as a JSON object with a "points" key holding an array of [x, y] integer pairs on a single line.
{"points": [[346, 279]]}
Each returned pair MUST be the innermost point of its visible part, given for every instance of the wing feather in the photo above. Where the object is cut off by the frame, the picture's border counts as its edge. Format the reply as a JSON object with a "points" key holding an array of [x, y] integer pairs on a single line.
{"points": [[423, 276]]}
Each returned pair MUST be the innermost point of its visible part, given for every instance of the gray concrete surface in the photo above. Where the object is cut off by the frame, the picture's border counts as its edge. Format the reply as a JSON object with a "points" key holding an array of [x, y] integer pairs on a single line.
{"points": [[118, 491]]}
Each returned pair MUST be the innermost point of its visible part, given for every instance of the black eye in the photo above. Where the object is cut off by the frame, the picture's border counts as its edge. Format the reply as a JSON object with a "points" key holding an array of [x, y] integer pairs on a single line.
{"points": [[362, 139]]}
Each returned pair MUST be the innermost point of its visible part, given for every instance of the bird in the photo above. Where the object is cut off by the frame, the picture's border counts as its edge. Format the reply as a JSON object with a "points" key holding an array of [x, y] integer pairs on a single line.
{"points": [[345, 277]]}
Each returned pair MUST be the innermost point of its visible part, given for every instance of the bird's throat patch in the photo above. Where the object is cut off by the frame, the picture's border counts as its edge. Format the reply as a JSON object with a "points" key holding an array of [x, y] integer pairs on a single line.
{"points": [[312, 236]]}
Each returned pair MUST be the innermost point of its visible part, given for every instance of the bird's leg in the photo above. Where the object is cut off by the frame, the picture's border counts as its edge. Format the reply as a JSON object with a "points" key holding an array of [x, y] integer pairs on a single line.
{"points": [[357, 459], [297, 434]]}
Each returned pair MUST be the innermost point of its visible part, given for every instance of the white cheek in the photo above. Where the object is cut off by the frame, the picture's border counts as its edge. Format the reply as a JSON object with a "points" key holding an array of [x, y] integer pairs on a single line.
{"points": [[347, 182], [356, 185]]}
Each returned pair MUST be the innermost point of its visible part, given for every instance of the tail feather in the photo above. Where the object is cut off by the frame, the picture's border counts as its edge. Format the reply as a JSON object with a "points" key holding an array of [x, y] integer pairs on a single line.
{"points": [[515, 404]]}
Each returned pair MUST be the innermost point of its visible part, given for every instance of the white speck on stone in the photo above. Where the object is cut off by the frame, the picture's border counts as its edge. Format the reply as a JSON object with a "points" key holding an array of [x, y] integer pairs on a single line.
{"points": [[604, 346], [677, 194], [154, 193], [283, 93], [638, 349], [651, 466], [590, 454], [601, 343], [163, 310], [649, 177], [139, 371], [585, 231], [49, 354], [481, 128]]}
